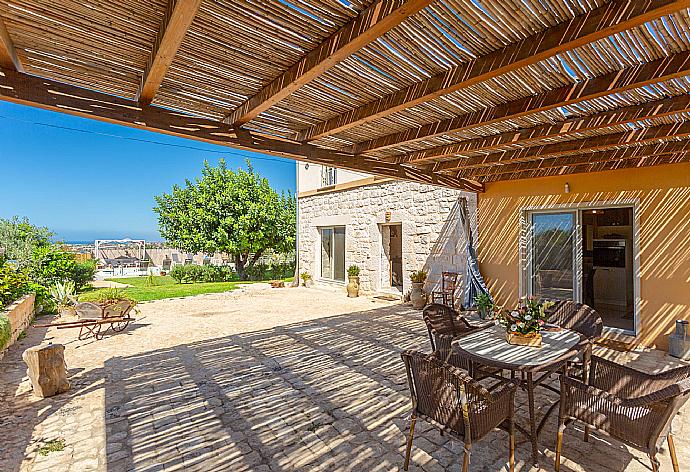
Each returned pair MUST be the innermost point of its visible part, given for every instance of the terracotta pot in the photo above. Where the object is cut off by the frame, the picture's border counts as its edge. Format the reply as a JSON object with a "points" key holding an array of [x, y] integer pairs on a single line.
{"points": [[417, 295], [353, 286]]}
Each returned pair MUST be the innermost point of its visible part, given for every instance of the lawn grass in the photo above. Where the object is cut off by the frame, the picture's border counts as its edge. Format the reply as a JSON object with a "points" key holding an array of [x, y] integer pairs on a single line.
{"points": [[165, 287]]}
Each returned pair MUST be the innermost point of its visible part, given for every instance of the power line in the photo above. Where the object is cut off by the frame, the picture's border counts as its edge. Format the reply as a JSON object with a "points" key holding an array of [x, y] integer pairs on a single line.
{"points": [[149, 141]]}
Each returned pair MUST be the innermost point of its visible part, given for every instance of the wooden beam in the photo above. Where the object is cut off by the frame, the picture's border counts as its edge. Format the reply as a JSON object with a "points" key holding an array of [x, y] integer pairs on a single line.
{"points": [[8, 55], [641, 136], [634, 152], [609, 19], [373, 22], [51, 95], [594, 167], [178, 18], [653, 72], [619, 116]]}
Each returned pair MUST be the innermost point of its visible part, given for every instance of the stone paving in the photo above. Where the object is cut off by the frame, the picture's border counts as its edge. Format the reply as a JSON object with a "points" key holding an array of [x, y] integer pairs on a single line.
{"points": [[261, 380]]}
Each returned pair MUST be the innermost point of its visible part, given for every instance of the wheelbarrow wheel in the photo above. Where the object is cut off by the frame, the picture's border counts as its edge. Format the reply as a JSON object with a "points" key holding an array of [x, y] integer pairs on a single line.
{"points": [[120, 325]]}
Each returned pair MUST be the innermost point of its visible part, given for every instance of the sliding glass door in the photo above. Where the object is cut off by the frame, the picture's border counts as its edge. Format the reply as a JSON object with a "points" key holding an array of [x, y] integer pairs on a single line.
{"points": [[587, 255], [551, 255], [333, 253]]}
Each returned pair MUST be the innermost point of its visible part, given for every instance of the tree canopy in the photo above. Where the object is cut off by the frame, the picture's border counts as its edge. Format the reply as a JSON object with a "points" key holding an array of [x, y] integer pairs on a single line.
{"points": [[19, 239], [235, 212]]}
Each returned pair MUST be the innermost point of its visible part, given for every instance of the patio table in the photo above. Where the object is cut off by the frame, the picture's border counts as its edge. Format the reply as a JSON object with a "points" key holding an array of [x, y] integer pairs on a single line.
{"points": [[535, 364]]}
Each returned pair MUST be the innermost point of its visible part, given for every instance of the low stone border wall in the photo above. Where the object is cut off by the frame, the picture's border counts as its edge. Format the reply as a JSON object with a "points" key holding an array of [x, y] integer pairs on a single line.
{"points": [[20, 314]]}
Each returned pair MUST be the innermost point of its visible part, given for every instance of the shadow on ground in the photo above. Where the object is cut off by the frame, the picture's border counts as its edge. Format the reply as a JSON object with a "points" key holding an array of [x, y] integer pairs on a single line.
{"points": [[328, 394]]}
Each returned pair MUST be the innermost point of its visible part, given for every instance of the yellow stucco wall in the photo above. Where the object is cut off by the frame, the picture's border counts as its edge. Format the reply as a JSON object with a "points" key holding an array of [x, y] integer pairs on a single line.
{"points": [[662, 196]]}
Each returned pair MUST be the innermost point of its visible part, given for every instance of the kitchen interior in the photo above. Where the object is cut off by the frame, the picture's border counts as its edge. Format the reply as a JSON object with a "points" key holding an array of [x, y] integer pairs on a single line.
{"points": [[607, 265]]}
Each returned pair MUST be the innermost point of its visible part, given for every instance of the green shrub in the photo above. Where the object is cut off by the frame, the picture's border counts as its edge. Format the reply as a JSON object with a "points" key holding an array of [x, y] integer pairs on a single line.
{"points": [[20, 239], [51, 264], [211, 273], [83, 273], [353, 271], [177, 273], [195, 273], [44, 302], [13, 284], [270, 271], [5, 331]]}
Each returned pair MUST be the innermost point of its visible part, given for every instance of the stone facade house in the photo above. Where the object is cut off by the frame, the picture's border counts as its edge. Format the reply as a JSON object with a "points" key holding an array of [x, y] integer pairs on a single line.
{"points": [[386, 227]]}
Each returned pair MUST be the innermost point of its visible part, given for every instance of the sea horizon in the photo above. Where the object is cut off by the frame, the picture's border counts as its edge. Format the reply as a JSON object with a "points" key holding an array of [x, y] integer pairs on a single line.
{"points": [[83, 242]]}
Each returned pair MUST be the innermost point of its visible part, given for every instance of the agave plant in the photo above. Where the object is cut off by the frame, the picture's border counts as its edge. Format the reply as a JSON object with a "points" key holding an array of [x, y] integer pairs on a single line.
{"points": [[63, 293]]}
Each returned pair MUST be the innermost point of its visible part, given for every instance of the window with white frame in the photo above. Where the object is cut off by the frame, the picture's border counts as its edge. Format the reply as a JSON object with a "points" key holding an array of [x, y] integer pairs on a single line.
{"points": [[333, 253], [328, 176]]}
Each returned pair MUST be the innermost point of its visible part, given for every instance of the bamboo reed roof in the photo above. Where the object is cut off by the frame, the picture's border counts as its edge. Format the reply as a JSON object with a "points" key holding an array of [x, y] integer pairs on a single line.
{"points": [[449, 92]]}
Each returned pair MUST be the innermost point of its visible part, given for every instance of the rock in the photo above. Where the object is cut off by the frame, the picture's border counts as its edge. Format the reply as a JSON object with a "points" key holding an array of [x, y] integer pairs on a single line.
{"points": [[46, 369]]}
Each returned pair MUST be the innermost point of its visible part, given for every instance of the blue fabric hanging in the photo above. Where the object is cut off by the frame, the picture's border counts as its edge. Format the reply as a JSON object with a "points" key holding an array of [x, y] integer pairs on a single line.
{"points": [[474, 282]]}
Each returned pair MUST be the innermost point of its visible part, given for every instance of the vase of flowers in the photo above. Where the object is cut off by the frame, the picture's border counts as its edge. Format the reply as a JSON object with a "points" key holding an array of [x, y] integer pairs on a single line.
{"points": [[524, 324]]}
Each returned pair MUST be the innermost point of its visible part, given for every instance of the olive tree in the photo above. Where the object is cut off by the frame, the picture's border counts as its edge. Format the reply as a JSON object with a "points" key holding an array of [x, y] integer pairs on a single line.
{"points": [[235, 212]]}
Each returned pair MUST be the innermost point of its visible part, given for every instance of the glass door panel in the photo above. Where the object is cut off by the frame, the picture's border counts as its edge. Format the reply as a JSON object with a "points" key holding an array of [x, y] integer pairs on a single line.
{"points": [[339, 253], [327, 253], [551, 258]]}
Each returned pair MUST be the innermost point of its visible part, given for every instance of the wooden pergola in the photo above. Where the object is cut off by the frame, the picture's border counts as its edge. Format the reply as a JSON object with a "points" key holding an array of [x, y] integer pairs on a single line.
{"points": [[447, 92]]}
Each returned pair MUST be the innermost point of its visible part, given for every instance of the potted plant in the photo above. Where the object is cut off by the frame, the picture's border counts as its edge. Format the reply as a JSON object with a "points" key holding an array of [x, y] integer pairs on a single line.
{"points": [[62, 294], [353, 281], [524, 325], [306, 279], [485, 305], [417, 295]]}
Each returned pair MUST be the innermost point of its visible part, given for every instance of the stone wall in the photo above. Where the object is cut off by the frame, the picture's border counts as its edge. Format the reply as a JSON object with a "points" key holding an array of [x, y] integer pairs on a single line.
{"points": [[432, 236], [20, 314]]}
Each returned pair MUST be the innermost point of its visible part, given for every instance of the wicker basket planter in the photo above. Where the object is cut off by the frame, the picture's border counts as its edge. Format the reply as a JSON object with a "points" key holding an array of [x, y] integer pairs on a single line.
{"points": [[518, 339]]}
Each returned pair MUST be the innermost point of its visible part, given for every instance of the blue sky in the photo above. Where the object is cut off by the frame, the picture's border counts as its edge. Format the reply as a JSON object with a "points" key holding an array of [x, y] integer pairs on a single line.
{"points": [[85, 179]]}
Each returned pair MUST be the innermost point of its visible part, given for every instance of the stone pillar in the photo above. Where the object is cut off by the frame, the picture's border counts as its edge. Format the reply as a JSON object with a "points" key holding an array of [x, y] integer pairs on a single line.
{"points": [[46, 369]]}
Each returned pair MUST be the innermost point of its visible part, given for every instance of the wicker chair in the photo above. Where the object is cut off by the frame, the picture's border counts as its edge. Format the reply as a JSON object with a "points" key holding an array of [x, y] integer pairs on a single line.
{"points": [[578, 317], [446, 296], [582, 319], [631, 406], [441, 319], [447, 398], [444, 325]]}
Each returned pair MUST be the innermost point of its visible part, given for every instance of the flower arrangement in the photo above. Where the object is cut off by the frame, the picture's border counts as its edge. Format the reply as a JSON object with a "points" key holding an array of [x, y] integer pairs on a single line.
{"points": [[526, 321]]}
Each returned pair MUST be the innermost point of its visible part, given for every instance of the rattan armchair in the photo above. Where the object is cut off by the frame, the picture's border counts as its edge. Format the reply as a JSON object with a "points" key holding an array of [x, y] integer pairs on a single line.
{"points": [[632, 406], [444, 325], [443, 320], [580, 318], [447, 398]]}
